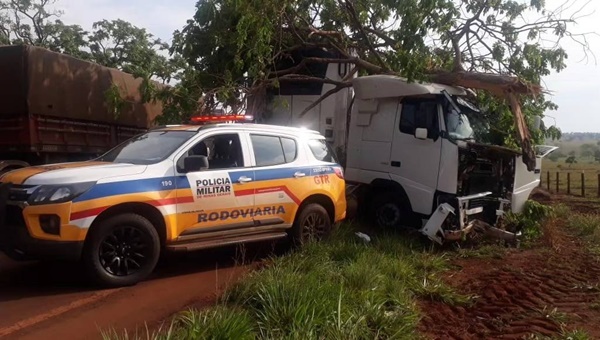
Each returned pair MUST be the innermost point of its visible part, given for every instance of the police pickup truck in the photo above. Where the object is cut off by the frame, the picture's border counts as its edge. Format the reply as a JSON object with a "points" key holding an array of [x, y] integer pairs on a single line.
{"points": [[174, 188]]}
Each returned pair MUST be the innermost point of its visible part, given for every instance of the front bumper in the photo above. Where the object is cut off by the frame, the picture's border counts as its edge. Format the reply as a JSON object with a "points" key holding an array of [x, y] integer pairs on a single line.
{"points": [[16, 240], [468, 214]]}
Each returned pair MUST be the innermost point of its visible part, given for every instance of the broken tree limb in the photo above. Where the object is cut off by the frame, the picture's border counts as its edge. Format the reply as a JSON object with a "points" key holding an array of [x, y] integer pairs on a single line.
{"points": [[506, 87], [494, 83], [522, 131], [344, 84], [325, 96]]}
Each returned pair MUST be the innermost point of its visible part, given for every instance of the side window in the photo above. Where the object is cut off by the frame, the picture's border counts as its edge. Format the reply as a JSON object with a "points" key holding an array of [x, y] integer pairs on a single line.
{"points": [[273, 150], [420, 114], [289, 149], [321, 150], [223, 151]]}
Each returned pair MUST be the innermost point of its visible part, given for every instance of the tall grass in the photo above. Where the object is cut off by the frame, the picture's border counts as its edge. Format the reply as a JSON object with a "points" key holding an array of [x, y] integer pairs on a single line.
{"points": [[341, 288], [588, 227]]}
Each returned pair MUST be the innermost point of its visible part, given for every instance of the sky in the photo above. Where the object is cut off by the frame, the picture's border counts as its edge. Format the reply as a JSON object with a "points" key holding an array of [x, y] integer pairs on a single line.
{"points": [[574, 89]]}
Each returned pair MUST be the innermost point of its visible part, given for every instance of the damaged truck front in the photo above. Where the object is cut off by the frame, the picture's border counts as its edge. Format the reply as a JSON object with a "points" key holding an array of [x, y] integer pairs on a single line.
{"points": [[413, 158]]}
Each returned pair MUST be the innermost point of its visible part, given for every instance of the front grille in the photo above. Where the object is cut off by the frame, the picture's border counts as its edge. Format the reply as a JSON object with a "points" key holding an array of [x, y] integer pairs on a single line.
{"points": [[14, 216], [478, 202]]}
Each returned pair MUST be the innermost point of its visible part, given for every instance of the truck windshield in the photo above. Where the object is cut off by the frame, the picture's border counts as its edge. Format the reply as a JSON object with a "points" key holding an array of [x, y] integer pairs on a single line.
{"points": [[458, 125], [149, 148], [456, 113]]}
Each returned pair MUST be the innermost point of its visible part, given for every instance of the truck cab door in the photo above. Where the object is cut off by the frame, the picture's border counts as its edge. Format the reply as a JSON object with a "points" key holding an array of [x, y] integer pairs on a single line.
{"points": [[416, 151], [220, 197]]}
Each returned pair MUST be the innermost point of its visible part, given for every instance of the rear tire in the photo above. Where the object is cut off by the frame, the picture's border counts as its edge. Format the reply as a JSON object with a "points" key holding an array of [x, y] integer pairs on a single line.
{"points": [[312, 224], [121, 251]]}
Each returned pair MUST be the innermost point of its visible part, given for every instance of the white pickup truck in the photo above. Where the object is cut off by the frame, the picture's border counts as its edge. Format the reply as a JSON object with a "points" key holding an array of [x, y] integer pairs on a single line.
{"points": [[410, 153]]}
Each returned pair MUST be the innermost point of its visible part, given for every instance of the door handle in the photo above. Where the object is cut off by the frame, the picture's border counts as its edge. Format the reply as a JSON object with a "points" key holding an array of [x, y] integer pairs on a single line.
{"points": [[396, 164], [299, 174], [244, 179]]}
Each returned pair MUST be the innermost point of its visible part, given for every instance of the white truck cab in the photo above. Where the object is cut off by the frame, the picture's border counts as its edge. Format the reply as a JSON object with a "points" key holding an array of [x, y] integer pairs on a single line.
{"points": [[410, 153], [414, 146]]}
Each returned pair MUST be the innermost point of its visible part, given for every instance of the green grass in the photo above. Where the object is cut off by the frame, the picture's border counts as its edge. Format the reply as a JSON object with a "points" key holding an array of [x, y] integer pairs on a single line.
{"points": [[341, 288], [588, 228], [530, 221], [496, 251]]}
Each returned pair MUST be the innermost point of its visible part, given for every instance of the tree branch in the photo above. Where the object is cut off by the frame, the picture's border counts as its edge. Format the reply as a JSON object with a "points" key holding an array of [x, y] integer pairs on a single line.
{"points": [[304, 62], [325, 96], [360, 28]]}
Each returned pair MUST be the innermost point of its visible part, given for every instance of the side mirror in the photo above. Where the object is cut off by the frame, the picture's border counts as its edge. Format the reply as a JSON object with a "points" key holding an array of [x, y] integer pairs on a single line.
{"points": [[421, 133], [195, 163]]}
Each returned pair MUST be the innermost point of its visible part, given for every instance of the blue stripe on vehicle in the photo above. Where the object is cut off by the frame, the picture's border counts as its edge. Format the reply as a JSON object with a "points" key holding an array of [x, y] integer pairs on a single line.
{"points": [[181, 182], [129, 187]]}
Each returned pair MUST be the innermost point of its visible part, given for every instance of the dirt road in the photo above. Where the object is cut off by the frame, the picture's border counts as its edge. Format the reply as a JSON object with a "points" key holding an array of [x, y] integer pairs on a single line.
{"points": [[551, 287], [51, 301]]}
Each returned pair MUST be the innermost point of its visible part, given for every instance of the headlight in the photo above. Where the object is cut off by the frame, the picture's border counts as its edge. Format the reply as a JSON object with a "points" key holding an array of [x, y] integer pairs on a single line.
{"points": [[58, 193]]}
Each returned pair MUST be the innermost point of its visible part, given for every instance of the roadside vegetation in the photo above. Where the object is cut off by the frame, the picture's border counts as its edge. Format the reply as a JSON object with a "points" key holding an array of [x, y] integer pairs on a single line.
{"points": [[347, 287], [342, 288]]}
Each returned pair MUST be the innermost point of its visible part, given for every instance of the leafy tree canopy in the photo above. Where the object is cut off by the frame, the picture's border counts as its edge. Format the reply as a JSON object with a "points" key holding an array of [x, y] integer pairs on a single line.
{"points": [[115, 43], [234, 46], [230, 50]]}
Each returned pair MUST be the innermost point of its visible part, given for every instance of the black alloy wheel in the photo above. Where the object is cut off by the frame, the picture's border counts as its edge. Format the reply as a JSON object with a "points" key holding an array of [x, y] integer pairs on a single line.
{"points": [[312, 224], [125, 251], [121, 250]]}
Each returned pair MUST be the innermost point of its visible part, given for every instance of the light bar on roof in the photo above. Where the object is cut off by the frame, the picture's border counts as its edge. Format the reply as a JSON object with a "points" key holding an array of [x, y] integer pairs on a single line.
{"points": [[222, 119]]}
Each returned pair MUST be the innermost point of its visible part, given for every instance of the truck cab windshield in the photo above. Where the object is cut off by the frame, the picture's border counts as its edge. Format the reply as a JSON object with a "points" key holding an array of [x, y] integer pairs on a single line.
{"points": [[458, 126], [456, 112], [149, 148]]}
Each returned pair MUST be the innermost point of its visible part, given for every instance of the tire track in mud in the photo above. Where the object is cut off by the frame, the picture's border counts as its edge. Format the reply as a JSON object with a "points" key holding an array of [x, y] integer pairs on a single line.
{"points": [[525, 293]]}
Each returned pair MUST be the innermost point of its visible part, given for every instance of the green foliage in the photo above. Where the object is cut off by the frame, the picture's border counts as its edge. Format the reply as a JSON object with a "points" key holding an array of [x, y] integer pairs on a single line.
{"points": [[530, 220], [114, 100], [117, 43], [235, 45], [588, 227], [231, 49], [219, 323], [571, 160]]}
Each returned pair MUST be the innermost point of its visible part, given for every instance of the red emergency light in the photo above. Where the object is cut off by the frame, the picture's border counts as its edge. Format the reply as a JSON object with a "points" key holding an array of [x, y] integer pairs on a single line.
{"points": [[222, 119]]}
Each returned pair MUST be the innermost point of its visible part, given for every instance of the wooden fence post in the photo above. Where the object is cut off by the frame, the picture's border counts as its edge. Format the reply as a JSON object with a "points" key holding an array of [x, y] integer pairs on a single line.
{"points": [[598, 184], [583, 183], [548, 181], [557, 181], [569, 183]]}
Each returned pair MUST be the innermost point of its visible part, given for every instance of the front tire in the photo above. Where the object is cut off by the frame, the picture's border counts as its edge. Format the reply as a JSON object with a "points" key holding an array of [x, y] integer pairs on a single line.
{"points": [[390, 211], [121, 251], [313, 224]]}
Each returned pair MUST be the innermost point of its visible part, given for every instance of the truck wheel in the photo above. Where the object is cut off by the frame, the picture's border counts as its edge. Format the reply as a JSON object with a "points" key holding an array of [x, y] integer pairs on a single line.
{"points": [[389, 211], [313, 223], [121, 251]]}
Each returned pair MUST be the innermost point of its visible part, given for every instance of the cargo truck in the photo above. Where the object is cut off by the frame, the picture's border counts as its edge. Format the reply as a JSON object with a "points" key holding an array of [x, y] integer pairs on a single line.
{"points": [[54, 108]]}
